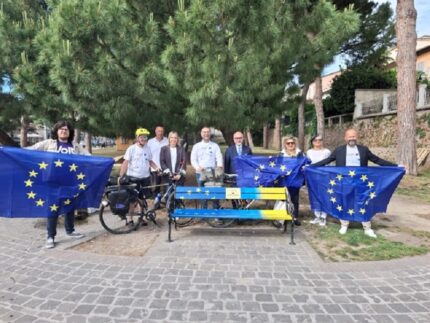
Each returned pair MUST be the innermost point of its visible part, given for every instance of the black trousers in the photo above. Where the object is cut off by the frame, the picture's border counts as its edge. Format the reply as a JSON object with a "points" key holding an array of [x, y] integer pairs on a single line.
{"points": [[156, 180], [294, 196]]}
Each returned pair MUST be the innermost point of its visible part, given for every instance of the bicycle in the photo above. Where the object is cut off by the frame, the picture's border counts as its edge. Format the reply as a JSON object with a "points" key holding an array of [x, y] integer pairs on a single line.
{"points": [[123, 218]]}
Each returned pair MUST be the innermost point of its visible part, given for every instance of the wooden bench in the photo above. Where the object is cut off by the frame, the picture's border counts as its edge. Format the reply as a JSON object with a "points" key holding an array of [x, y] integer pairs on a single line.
{"points": [[231, 193]]}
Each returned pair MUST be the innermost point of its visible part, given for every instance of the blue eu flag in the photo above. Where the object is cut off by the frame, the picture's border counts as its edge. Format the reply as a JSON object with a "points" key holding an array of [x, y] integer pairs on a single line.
{"points": [[255, 171], [352, 193], [43, 184]]}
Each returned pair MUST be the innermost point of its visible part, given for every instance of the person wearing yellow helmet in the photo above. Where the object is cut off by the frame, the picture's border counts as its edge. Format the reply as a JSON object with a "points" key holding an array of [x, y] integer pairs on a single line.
{"points": [[137, 161]]}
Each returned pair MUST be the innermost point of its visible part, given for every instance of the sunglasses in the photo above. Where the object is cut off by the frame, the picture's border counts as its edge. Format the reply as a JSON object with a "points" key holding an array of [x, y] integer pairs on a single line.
{"points": [[290, 143]]}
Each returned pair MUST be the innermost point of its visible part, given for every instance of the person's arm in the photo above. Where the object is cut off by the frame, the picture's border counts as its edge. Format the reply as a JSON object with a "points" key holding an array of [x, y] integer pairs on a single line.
{"points": [[163, 162], [123, 169], [41, 145], [326, 161], [194, 161], [154, 165], [379, 161], [218, 157]]}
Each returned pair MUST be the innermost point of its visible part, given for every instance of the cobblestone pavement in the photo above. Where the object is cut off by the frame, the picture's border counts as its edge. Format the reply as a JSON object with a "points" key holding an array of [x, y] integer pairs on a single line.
{"points": [[205, 275]]}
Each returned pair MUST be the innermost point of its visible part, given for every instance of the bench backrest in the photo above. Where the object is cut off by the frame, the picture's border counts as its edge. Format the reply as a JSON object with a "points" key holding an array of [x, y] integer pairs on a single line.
{"points": [[231, 193]]}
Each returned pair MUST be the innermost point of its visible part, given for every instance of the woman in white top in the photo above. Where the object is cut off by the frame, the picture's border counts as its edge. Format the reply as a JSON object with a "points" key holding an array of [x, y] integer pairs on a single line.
{"points": [[316, 154]]}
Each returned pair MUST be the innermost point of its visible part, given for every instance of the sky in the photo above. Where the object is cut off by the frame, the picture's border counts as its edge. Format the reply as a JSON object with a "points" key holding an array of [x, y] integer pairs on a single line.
{"points": [[423, 26]]}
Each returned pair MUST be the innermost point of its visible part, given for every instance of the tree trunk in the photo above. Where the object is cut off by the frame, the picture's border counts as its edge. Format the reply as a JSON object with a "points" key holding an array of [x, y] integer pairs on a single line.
{"points": [[88, 143], [277, 134], [301, 118], [406, 85], [265, 137], [318, 102], [228, 136], [250, 141], [6, 140], [24, 131], [77, 138]]}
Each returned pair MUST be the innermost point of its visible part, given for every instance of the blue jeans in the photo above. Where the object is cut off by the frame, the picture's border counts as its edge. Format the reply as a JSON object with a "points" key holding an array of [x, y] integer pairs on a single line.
{"points": [[69, 224], [215, 204]]}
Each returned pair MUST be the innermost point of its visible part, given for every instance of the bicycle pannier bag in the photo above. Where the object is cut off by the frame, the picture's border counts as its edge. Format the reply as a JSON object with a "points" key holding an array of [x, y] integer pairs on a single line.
{"points": [[119, 202]]}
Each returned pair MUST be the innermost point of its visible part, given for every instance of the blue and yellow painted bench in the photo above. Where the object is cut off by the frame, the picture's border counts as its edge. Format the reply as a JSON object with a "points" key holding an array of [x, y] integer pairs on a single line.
{"points": [[232, 193]]}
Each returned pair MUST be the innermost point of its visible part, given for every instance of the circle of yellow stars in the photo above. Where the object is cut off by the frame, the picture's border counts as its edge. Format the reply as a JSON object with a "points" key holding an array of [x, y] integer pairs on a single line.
{"points": [[43, 166], [339, 178], [272, 164]]}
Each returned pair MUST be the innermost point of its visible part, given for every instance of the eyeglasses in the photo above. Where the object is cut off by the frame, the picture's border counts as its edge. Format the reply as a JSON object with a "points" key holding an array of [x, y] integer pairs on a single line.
{"points": [[290, 143], [238, 138]]}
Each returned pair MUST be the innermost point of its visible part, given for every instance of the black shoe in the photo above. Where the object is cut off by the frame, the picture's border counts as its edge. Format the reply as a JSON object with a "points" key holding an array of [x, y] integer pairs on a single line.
{"points": [[297, 223]]}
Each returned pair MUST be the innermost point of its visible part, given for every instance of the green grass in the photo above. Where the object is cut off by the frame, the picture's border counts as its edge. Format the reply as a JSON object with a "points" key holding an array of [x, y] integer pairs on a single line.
{"points": [[416, 186], [355, 246]]}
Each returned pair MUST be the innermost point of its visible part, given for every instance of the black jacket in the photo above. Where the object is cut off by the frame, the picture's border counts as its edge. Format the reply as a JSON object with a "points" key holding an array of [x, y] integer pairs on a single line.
{"points": [[230, 153], [339, 155]]}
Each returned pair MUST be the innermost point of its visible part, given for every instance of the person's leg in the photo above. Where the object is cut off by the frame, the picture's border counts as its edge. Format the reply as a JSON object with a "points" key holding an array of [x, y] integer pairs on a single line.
{"points": [[343, 226], [51, 226], [316, 219], [155, 181], [323, 218], [69, 225], [367, 226], [294, 196]]}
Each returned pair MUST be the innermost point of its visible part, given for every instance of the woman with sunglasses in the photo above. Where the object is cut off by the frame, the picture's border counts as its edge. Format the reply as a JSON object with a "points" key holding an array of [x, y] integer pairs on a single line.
{"points": [[316, 154], [290, 150]]}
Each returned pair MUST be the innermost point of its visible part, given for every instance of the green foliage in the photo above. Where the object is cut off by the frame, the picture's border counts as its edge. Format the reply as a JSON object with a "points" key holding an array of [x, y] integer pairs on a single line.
{"points": [[342, 93], [310, 121]]}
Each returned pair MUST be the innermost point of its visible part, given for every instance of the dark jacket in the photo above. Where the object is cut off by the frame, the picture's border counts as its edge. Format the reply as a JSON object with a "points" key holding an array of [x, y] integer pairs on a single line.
{"points": [[230, 153], [166, 161], [339, 156]]}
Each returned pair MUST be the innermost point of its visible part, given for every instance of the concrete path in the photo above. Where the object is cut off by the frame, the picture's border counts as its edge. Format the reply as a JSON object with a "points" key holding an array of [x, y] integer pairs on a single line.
{"points": [[235, 275]]}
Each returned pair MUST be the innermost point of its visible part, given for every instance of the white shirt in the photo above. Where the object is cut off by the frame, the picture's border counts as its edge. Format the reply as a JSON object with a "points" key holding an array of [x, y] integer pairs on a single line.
{"points": [[155, 145], [138, 161], [352, 156], [316, 155], [173, 157], [206, 155]]}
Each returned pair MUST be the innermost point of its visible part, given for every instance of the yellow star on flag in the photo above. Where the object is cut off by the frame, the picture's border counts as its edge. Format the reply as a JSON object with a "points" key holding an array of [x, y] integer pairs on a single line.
{"points": [[372, 195], [54, 208], [362, 211], [73, 167], [189, 192], [351, 211], [262, 166], [339, 208], [370, 184], [332, 182], [276, 181], [33, 173], [80, 176], [58, 163], [31, 195], [351, 173], [330, 191], [28, 183], [363, 178], [289, 173], [67, 202], [207, 192], [333, 199], [76, 195], [272, 164], [40, 202], [256, 178], [43, 165], [198, 190], [82, 186], [283, 168], [339, 177]]}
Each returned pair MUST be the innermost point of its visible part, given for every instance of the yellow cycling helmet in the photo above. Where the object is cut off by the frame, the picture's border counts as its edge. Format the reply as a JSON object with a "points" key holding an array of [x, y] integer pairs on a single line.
{"points": [[142, 132]]}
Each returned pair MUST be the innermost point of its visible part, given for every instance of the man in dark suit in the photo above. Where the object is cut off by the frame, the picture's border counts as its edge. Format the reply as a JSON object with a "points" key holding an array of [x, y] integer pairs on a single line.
{"points": [[238, 149], [352, 154]]}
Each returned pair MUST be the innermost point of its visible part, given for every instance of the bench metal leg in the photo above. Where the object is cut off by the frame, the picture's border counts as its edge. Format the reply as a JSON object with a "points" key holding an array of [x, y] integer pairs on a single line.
{"points": [[292, 233], [285, 226], [170, 230]]}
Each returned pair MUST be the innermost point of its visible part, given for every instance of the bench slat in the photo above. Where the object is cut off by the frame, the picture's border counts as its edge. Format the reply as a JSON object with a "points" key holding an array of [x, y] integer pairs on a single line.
{"points": [[232, 214], [255, 190], [223, 193]]}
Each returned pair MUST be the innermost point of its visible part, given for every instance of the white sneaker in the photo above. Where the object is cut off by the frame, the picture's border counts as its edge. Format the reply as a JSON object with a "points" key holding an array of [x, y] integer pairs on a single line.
{"points": [[343, 230], [322, 222], [315, 221], [49, 243], [75, 235], [370, 233]]}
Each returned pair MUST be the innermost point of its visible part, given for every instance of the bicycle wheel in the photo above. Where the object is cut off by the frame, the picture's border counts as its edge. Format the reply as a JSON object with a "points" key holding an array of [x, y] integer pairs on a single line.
{"points": [[219, 222], [118, 224], [178, 204]]}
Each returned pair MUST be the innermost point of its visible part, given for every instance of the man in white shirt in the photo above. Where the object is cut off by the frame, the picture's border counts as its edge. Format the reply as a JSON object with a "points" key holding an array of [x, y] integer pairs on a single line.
{"points": [[205, 154], [155, 145]]}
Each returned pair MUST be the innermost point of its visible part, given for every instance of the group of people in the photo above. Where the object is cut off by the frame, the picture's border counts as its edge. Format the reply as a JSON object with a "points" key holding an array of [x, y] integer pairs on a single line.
{"points": [[147, 160], [349, 154]]}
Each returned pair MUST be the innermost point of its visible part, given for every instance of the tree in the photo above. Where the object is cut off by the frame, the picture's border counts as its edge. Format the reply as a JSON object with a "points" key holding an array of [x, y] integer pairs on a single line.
{"points": [[406, 84]]}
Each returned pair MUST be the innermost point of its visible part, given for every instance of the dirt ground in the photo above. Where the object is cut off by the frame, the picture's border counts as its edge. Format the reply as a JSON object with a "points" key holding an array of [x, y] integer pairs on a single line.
{"points": [[407, 220]]}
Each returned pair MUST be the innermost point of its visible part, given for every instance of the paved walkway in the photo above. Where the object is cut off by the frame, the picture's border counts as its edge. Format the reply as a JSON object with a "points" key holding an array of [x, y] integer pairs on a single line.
{"points": [[205, 275]]}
